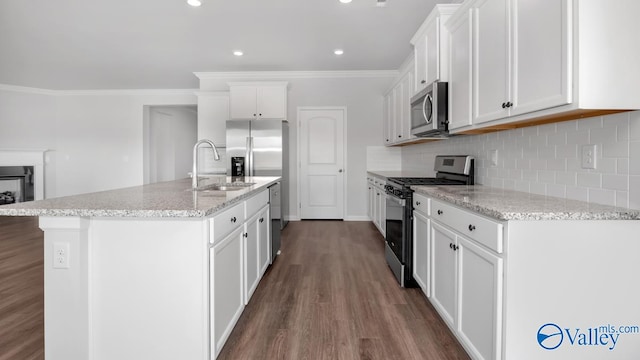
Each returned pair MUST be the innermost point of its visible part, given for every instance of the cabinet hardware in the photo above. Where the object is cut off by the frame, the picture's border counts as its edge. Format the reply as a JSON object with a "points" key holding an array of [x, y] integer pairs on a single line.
{"points": [[233, 219], [399, 136], [450, 245], [455, 247], [260, 114], [254, 114], [418, 203], [472, 227], [439, 212], [423, 82], [504, 105], [261, 219], [508, 104], [245, 235]]}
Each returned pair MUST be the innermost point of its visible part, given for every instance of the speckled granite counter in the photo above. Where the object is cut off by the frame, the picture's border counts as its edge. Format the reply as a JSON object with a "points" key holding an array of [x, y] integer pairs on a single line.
{"points": [[388, 174], [172, 199], [514, 205]]}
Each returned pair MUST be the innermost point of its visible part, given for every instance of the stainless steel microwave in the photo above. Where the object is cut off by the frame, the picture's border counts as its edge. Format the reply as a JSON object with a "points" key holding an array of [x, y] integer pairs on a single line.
{"points": [[429, 111]]}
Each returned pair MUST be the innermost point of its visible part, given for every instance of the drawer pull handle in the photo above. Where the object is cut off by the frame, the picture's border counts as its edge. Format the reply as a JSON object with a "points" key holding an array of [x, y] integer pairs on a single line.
{"points": [[418, 203], [439, 212], [472, 227]]}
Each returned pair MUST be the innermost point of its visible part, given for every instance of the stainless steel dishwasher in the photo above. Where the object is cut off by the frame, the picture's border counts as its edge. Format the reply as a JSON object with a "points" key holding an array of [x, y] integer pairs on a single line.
{"points": [[275, 211]]}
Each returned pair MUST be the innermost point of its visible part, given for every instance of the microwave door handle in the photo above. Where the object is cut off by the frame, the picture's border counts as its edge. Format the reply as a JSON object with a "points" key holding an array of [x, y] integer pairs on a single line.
{"points": [[424, 106]]}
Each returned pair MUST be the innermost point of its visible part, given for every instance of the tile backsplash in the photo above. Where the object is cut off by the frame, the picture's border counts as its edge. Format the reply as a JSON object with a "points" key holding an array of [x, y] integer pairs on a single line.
{"points": [[547, 159]]}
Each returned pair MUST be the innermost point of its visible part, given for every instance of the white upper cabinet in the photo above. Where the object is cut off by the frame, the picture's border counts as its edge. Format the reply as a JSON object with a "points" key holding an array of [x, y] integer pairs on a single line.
{"points": [[541, 61], [258, 100], [519, 65], [397, 110], [430, 43]]}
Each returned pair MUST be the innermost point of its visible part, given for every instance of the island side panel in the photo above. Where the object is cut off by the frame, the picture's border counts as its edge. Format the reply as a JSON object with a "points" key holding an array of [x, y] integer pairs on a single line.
{"points": [[66, 288], [578, 276], [149, 289]]}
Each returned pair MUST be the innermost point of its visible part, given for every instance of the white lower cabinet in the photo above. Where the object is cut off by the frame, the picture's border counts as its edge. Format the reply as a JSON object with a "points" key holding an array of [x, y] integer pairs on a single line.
{"points": [[227, 300], [377, 204], [421, 251], [251, 257], [443, 295], [264, 240], [479, 309], [466, 283]]}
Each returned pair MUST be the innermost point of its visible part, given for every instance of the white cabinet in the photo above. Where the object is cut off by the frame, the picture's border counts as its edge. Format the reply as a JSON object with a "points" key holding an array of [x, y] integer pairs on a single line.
{"points": [[251, 257], [377, 202], [421, 244], [397, 111], [520, 65], [227, 300], [261, 100], [460, 65], [430, 44], [467, 276], [264, 240], [443, 294], [213, 113]]}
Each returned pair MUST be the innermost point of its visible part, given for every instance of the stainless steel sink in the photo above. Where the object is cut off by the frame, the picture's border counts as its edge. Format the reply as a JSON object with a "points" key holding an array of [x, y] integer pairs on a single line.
{"points": [[224, 187]]}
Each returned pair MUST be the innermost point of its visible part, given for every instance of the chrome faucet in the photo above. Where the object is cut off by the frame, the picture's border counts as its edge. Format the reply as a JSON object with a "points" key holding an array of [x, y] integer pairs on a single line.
{"points": [[194, 173]]}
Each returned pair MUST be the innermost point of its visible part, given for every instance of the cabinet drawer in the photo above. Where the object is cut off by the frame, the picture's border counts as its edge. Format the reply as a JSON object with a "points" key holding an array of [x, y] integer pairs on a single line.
{"points": [[257, 202], [421, 204], [480, 229], [228, 220]]}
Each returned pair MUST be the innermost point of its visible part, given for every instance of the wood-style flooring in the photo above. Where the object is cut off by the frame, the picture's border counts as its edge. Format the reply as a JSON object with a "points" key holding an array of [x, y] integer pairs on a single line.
{"points": [[330, 295], [21, 289]]}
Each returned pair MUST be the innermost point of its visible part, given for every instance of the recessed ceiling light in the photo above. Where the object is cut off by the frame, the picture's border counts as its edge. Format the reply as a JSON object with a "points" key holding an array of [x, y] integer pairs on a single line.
{"points": [[194, 2], [338, 51], [345, 1], [238, 53]]}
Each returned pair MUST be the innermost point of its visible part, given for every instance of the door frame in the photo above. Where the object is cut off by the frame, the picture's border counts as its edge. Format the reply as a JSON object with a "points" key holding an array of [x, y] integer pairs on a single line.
{"points": [[344, 154]]}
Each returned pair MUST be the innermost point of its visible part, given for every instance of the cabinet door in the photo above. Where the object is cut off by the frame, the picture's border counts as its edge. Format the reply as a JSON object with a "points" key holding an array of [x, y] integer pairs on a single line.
{"points": [[227, 303], [491, 60], [397, 113], [272, 102], [432, 44], [460, 67], [443, 270], [405, 107], [378, 209], [243, 102], [420, 57], [264, 240], [251, 257], [421, 254], [386, 118], [370, 200], [479, 299], [213, 113], [541, 67]]}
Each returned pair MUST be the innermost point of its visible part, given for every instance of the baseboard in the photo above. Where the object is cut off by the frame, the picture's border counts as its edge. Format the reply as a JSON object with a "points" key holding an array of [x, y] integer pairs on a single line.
{"points": [[357, 218], [292, 218]]}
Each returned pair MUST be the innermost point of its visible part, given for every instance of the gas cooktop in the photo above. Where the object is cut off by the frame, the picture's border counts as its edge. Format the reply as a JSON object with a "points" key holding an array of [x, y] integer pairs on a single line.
{"points": [[409, 181]]}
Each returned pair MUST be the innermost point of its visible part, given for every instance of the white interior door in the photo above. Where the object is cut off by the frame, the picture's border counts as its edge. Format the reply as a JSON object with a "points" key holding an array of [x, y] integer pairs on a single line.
{"points": [[321, 151]]}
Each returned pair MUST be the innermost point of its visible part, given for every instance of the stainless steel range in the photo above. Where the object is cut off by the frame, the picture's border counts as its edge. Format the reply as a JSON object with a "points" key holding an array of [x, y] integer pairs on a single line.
{"points": [[450, 170]]}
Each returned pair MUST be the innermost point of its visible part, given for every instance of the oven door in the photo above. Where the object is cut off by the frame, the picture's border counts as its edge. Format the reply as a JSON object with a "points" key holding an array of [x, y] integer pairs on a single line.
{"points": [[395, 226]]}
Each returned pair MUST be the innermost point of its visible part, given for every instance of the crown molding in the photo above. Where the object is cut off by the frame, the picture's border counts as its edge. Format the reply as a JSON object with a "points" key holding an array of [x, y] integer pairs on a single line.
{"points": [[113, 92], [25, 89], [270, 75]]}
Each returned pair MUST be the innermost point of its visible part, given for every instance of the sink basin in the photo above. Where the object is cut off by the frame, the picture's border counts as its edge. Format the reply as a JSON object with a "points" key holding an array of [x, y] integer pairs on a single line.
{"points": [[224, 187]]}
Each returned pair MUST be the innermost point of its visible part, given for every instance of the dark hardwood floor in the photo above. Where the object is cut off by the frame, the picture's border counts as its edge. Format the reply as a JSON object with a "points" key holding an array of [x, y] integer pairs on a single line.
{"points": [[21, 289], [330, 295]]}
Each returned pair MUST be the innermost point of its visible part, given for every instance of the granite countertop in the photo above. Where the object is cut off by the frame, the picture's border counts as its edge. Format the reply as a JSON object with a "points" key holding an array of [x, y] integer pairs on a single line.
{"points": [[388, 174], [172, 199], [514, 205]]}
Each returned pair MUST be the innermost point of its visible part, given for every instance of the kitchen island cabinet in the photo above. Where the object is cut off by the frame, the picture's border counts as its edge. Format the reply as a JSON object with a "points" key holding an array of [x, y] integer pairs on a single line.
{"points": [[509, 268], [155, 271]]}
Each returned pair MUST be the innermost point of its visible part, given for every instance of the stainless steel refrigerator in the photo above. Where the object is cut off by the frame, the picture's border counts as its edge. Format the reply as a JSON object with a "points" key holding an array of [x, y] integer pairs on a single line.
{"points": [[260, 148]]}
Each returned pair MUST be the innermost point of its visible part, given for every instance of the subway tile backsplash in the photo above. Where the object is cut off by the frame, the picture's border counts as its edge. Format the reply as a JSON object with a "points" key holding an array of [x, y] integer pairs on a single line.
{"points": [[547, 159]]}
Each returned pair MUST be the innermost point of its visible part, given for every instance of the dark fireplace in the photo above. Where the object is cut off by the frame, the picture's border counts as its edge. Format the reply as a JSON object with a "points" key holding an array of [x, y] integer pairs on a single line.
{"points": [[16, 184]]}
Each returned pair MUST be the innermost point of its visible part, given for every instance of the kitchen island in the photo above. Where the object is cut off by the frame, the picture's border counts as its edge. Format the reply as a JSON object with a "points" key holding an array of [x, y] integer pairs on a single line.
{"points": [[150, 272]]}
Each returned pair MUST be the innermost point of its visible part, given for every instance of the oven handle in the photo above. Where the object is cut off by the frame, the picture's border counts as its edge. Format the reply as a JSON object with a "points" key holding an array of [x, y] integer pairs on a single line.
{"points": [[399, 201]]}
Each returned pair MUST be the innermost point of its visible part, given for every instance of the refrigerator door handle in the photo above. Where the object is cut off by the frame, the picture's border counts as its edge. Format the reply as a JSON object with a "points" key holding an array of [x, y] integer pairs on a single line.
{"points": [[250, 156]]}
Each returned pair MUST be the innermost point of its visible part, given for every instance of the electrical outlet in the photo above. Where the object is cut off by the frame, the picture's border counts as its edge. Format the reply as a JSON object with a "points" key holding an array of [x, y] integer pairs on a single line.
{"points": [[61, 255], [589, 156], [494, 157]]}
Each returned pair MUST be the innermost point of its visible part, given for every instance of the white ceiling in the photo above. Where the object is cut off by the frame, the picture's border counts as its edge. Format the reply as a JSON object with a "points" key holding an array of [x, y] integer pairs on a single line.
{"points": [[158, 44]]}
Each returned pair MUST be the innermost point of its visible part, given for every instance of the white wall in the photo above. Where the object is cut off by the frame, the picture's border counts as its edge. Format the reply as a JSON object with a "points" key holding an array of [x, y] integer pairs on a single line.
{"points": [[96, 136], [363, 99], [546, 159], [172, 134]]}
